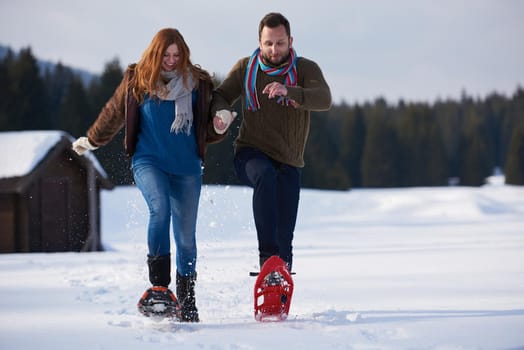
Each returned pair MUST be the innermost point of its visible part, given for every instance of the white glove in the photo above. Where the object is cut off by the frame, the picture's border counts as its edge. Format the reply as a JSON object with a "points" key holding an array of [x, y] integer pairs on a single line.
{"points": [[82, 144], [226, 117]]}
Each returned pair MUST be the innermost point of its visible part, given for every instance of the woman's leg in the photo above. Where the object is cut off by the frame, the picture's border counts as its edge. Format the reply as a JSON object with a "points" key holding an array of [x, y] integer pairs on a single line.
{"points": [[154, 185], [185, 195], [184, 198]]}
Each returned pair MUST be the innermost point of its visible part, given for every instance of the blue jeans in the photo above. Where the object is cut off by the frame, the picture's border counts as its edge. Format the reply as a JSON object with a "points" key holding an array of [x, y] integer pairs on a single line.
{"points": [[169, 197], [276, 192]]}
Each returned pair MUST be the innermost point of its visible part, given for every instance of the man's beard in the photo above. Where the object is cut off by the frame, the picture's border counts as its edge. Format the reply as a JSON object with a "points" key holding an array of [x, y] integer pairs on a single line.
{"points": [[268, 61]]}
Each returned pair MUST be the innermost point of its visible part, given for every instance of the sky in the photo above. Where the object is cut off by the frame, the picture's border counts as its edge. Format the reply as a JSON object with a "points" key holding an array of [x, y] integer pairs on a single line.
{"points": [[416, 50]]}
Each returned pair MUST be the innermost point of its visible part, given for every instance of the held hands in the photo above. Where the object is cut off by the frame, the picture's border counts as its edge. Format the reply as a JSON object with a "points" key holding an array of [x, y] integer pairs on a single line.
{"points": [[81, 145], [222, 120]]}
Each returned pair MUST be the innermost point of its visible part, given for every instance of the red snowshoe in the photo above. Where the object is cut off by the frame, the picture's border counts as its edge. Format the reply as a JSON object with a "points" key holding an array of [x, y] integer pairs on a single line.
{"points": [[273, 291]]}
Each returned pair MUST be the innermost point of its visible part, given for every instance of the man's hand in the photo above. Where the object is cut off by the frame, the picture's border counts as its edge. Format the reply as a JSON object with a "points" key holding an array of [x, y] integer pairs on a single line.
{"points": [[222, 120], [275, 89], [82, 144]]}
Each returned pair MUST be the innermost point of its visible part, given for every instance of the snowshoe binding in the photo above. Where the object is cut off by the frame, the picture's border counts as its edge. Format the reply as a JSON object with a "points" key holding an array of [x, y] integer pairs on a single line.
{"points": [[273, 291], [159, 302]]}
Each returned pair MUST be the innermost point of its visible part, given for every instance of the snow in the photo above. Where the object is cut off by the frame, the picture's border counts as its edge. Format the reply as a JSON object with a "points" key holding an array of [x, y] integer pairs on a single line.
{"points": [[417, 268], [22, 151]]}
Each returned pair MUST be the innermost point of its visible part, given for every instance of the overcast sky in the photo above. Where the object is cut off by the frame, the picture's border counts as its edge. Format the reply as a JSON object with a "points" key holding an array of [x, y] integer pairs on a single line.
{"points": [[418, 50]]}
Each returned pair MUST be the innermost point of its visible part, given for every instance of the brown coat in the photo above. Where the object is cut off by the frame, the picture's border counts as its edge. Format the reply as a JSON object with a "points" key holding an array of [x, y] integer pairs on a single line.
{"points": [[123, 109]]}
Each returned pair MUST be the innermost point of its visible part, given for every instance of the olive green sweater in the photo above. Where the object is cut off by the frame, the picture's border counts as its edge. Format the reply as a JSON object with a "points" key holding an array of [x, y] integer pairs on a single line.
{"points": [[280, 132]]}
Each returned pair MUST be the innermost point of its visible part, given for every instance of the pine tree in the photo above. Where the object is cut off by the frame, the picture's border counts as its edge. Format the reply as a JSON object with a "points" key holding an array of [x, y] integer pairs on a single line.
{"points": [[353, 130], [57, 81], [512, 118], [514, 162], [102, 89], [75, 110], [324, 151], [449, 118], [422, 155], [495, 108], [514, 169], [5, 90], [27, 105], [380, 166], [476, 160]]}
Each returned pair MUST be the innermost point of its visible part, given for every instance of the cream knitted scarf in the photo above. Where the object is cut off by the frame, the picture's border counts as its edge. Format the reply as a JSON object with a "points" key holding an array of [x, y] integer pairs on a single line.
{"points": [[175, 90]]}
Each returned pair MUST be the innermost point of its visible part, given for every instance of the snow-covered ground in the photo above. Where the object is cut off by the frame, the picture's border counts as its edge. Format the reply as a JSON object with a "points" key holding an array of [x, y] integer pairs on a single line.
{"points": [[419, 268]]}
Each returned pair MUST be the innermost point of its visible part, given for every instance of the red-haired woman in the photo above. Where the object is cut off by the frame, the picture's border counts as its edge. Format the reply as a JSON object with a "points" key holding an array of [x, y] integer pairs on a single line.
{"points": [[163, 102]]}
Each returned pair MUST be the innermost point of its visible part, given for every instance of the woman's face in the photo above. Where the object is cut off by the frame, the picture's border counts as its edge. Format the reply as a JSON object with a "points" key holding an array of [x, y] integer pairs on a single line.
{"points": [[171, 57]]}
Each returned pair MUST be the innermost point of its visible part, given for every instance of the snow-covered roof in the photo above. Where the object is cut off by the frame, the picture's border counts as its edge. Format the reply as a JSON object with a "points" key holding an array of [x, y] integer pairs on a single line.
{"points": [[22, 151]]}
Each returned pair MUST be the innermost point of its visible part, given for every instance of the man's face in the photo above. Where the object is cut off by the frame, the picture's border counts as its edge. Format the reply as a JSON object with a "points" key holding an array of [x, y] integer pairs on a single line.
{"points": [[274, 45]]}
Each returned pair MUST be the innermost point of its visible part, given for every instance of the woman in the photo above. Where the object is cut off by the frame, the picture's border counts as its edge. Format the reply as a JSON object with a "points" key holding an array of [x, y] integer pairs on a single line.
{"points": [[163, 101]]}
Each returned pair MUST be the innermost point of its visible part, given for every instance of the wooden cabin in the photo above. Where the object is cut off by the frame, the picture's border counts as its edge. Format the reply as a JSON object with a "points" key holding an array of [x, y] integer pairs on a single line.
{"points": [[49, 196]]}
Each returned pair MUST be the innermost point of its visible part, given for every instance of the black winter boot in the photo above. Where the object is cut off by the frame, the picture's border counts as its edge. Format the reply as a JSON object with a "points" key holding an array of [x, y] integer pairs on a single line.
{"points": [[159, 300], [159, 270], [185, 292], [287, 261]]}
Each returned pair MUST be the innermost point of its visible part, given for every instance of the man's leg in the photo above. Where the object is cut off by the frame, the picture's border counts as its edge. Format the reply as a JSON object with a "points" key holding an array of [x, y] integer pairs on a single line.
{"points": [[288, 197], [258, 171]]}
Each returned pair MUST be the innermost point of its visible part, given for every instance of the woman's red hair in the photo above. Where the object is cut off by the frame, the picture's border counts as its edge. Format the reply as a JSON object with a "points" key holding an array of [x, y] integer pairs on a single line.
{"points": [[147, 70]]}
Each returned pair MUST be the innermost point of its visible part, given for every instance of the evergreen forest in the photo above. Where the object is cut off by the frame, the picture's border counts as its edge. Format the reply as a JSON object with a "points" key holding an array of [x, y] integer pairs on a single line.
{"points": [[371, 145]]}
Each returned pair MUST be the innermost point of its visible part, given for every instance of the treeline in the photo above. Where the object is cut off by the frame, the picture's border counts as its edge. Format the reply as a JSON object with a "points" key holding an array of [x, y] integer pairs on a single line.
{"points": [[374, 144], [57, 98], [418, 144]]}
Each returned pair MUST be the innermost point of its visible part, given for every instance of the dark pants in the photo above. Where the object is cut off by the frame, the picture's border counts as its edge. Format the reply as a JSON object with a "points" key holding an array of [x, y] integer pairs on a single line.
{"points": [[276, 192]]}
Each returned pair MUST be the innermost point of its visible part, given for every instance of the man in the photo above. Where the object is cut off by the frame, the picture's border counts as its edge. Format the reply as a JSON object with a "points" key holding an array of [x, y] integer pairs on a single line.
{"points": [[278, 91]]}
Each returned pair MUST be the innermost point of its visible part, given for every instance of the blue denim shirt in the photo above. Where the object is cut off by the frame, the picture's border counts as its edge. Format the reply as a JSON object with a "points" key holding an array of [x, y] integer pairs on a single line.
{"points": [[174, 153]]}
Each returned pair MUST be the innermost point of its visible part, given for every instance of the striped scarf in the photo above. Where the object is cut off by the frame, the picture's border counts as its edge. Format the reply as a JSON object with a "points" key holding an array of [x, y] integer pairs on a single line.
{"points": [[289, 70]]}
